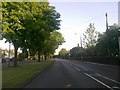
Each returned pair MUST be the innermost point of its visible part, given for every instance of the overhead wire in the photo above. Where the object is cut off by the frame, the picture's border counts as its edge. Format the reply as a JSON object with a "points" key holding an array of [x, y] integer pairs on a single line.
{"points": [[98, 17]]}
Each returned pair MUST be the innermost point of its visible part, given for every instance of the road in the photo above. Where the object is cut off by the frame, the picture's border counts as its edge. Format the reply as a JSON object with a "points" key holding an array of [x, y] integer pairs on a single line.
{"points": [[77, 74]]}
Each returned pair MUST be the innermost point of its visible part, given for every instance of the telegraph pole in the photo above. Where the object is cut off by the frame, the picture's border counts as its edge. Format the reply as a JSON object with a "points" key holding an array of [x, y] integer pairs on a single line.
{"points": [[81, 46], [119, 46], [108, 49]]}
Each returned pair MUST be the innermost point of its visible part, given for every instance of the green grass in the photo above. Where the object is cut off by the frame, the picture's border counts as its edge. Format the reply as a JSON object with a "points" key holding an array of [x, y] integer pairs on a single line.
{"points": [[15, 76]]}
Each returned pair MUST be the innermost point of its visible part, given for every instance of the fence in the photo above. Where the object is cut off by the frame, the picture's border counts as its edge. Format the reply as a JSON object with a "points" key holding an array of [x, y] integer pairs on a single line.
{"points": [[112, 60]]}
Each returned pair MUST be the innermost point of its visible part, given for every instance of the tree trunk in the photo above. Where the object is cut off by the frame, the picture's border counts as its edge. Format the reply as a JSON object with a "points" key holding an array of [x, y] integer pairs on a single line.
{"points": [[48, 56], [38, 56], [45, 56], [15, 59]]}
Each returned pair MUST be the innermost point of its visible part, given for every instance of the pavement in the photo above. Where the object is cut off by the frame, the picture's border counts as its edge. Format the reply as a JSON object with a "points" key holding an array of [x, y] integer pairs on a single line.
{"points": [[77, 74]]}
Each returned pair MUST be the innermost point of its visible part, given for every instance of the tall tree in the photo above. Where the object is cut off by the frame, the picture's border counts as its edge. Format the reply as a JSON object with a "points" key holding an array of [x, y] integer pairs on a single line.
{"points": [[63, 53], [11, 25], [113, 34], [45, 20], [51, 44], [76, 51], [28, 24], [90, 36]]}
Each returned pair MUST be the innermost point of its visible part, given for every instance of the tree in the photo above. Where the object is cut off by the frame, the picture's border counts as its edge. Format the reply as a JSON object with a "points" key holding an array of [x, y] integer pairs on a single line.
{"points": [[90, 36], [0, 50], [76, 51], [51, 44], [113, 34], [12, 13], [1, 22], [28, 24], [45, 20], [63, 53], [90, 40]]}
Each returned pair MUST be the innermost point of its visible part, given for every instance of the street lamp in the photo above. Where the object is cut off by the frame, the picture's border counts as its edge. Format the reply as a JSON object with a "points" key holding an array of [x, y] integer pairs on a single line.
{"points": [[81, 56]]}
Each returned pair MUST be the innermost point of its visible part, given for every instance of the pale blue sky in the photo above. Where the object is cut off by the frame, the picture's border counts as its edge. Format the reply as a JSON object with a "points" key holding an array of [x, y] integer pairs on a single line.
{"points": [[76, 17]]}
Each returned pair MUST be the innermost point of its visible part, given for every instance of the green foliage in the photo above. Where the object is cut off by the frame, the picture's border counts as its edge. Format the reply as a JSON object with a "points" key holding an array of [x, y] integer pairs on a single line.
{"points": [[113, 34], [10, 22], [98, 47], [31, 25], [63, 53], [76, 52], [0, 51], [90, 36], [54, 40]]}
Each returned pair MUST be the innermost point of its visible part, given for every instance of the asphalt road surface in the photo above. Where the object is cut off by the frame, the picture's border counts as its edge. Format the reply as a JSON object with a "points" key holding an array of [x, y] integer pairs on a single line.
{"points": [[77, 74]]}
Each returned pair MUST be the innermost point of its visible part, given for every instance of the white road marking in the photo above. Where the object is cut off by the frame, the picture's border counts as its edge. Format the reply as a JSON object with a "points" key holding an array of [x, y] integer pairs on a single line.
{"points": [[108, 78], [99, 81], [116, 87], [99, 64], [93, 74], [77, 68], [68, 85]]}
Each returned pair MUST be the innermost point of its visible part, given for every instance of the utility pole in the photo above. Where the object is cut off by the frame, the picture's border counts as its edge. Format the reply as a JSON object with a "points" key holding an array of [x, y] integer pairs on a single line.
{"points": [[119, 46], [81, 46], [107, 36]]}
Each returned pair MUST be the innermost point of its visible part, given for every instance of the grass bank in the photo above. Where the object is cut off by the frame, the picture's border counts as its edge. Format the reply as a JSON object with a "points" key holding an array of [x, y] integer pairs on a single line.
{"points": [[16, 76]]}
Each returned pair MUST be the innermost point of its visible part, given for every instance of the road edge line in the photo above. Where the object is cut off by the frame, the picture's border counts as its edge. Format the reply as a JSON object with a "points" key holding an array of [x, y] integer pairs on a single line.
{"points": [[99, 81], [108, 78]]}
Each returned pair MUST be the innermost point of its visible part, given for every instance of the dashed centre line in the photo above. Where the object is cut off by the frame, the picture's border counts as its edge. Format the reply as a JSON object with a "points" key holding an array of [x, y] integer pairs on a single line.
{"points": [[77, 68]]}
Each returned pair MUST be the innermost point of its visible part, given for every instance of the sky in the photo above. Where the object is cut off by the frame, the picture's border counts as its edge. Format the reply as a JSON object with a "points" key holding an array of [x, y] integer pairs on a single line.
{"points": [[77, 15]]}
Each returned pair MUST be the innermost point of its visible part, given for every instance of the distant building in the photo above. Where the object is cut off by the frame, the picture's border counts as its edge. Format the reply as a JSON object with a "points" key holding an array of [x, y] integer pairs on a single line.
{"points": [[119, 13]]}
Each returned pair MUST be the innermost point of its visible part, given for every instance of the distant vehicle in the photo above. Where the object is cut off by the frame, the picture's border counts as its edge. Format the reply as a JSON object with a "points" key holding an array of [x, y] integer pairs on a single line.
{"points": [[7, 59], [3, 60]]}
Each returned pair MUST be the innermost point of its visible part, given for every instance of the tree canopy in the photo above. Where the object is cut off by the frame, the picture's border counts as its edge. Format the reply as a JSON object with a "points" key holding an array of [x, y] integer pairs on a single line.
{"points": [[31, 25], [90, 36], [113, 34], [63, 53], [76, 51]]}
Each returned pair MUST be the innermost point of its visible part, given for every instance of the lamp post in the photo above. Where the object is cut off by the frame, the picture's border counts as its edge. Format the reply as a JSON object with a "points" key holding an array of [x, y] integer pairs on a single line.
{"points": [[81, 56]]}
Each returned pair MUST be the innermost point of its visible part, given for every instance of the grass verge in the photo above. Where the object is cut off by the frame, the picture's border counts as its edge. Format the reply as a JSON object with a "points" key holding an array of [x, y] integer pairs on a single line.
{"points": [[16, 76]]}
